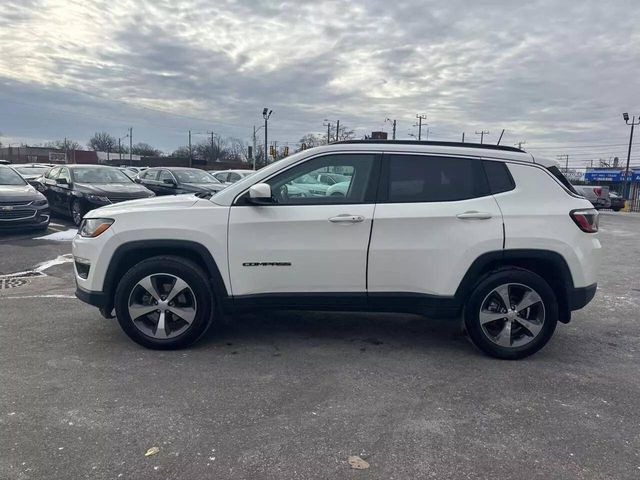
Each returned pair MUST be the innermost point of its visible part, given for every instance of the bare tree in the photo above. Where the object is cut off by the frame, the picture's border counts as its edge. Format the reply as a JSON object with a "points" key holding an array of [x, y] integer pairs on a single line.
{"points": [[65, 144], [181, 152], [145, 150], [312, 140], [346, 133], [102, 142]]}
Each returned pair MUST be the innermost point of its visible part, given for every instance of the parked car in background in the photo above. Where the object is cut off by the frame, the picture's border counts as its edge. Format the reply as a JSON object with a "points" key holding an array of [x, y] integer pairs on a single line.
{"points": [[135, 170], [229, 177], [74, 190], [178, 180], [129, 173], [4, 162], [338, 189], [31, 171], [316, 184], [21, 205], [617, 201], [596, 194]]}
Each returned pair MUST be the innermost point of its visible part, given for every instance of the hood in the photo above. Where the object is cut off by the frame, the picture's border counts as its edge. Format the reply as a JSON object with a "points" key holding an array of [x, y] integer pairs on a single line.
{"points": [[110, 188], [146, 204], [13, 193]]}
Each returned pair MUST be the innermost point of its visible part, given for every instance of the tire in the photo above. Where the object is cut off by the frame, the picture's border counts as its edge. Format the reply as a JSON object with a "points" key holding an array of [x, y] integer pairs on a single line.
{"points": [[77, 212], [617, 209], [519, 333], [193, 300]]}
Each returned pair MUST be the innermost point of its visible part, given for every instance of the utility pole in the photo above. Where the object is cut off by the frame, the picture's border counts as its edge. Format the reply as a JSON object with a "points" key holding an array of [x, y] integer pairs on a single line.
{"points": [[130, 146], [190, 154], [337, 130], [462, 137], [328, 133], [420, 117], [120, 150], [482, 133], [520, 143], [498, 142], [627, 188]]}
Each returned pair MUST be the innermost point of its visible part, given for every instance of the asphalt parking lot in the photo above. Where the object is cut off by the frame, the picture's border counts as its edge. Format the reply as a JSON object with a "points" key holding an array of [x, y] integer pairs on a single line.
{"points": [[292, 395]]}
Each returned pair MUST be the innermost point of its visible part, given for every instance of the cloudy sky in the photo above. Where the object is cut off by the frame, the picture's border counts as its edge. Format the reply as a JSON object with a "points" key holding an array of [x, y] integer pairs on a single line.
{"points": [[556, 74]]}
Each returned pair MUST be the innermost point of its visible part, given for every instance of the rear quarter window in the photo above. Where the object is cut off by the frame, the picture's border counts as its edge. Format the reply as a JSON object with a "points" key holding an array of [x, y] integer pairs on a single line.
{"points": [[555, 171], [498, 176]]}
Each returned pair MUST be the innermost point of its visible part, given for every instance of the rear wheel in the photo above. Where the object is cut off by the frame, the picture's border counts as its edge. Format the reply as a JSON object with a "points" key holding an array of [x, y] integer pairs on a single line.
{"points": [[164, 303], [511, 314]]}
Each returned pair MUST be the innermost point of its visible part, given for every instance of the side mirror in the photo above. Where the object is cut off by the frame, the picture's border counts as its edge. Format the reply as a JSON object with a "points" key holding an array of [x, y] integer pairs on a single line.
{"points": [[137, 180], [260, 194], [62, 181], [169, 181]]}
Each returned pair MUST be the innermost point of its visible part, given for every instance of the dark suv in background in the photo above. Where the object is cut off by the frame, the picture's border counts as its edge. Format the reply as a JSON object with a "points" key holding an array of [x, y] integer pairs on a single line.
{"points": [[73, 190], [177, 180]]}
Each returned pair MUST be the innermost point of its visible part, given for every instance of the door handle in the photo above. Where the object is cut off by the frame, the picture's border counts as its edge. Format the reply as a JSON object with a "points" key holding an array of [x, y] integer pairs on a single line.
{"points": [[346, 218], [473, 215]]}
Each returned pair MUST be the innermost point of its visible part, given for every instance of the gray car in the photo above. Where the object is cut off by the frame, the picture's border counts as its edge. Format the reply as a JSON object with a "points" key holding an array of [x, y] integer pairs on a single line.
{"points": [[596, 194], [21, 205]]}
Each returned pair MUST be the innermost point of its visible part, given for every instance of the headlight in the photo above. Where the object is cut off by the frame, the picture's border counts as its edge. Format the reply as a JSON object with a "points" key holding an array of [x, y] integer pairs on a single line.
{"points": [[92, 227], [97, 199], [40, 203]]}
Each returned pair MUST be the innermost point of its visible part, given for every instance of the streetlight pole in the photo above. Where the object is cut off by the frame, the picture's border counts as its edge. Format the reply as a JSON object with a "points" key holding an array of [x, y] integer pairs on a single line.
{"points": [[633, 123], [266, 113]]}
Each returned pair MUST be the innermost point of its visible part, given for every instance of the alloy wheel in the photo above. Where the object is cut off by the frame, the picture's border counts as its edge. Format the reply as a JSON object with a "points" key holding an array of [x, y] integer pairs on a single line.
{"points": [[512, 315], [162, 306]]}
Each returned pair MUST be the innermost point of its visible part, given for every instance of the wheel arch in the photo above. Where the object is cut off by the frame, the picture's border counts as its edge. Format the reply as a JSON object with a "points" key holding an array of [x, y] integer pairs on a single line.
{"points": [[550, 265], [131, 253]]}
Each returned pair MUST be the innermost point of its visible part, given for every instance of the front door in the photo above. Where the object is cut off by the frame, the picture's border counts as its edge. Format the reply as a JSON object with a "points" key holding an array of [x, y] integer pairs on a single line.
{"points": [[304, 243]]}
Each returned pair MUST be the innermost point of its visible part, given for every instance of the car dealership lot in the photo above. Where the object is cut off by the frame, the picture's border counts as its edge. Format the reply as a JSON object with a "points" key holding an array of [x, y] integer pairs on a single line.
{"points": [[292, 394]]}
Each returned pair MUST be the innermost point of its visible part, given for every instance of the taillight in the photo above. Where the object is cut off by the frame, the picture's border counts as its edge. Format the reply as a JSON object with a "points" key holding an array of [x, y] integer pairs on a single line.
{"points": [[598, 191], [586, 220]]}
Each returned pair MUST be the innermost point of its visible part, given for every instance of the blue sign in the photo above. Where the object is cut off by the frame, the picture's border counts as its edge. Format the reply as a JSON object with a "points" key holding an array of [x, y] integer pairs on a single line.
{"points": [[611, 176]]}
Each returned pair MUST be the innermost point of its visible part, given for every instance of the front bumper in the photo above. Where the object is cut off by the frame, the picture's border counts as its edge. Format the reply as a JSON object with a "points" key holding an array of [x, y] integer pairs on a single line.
{"points": [[580, 297], [97, 299]]}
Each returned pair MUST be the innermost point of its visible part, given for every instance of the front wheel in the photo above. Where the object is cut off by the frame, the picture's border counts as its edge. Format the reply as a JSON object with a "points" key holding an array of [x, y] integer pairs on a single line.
{"points": [[164, 303], [77, 212], [511, 314]]}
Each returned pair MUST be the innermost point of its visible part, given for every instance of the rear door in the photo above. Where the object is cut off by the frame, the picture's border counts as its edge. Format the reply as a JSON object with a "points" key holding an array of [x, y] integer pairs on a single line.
{"points": [[311, 245], [435, 216]]}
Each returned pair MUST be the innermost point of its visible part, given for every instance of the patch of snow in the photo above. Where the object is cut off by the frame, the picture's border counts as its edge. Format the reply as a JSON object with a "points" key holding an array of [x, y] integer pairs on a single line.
{"points": [[64, 236]]}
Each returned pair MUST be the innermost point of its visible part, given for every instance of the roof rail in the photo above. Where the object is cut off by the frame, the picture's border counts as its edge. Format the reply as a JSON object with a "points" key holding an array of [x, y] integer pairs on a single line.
{"points": [[435, 143]]}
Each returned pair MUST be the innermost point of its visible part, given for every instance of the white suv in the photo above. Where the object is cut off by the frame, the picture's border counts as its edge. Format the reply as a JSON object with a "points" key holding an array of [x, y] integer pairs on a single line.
{"points": [[481, 232]]}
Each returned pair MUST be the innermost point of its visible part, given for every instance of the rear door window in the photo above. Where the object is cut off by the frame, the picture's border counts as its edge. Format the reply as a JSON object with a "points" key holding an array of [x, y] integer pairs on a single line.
{"points": [[423, 178]]}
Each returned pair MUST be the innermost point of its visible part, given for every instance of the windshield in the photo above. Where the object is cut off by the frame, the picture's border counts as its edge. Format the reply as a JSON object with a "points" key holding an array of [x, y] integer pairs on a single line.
{"points": [[9, 177], [31, 170], [99, 175], [193, 176]]}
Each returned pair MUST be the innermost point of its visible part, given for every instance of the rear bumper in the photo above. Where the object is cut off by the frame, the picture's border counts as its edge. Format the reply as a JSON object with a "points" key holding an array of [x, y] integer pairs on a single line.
{"points": [[580, 297], [97, 299]]}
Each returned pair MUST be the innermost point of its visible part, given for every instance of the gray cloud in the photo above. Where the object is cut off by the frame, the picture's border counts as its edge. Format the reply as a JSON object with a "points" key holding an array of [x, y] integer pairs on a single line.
{"points": [[550, 73]]}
